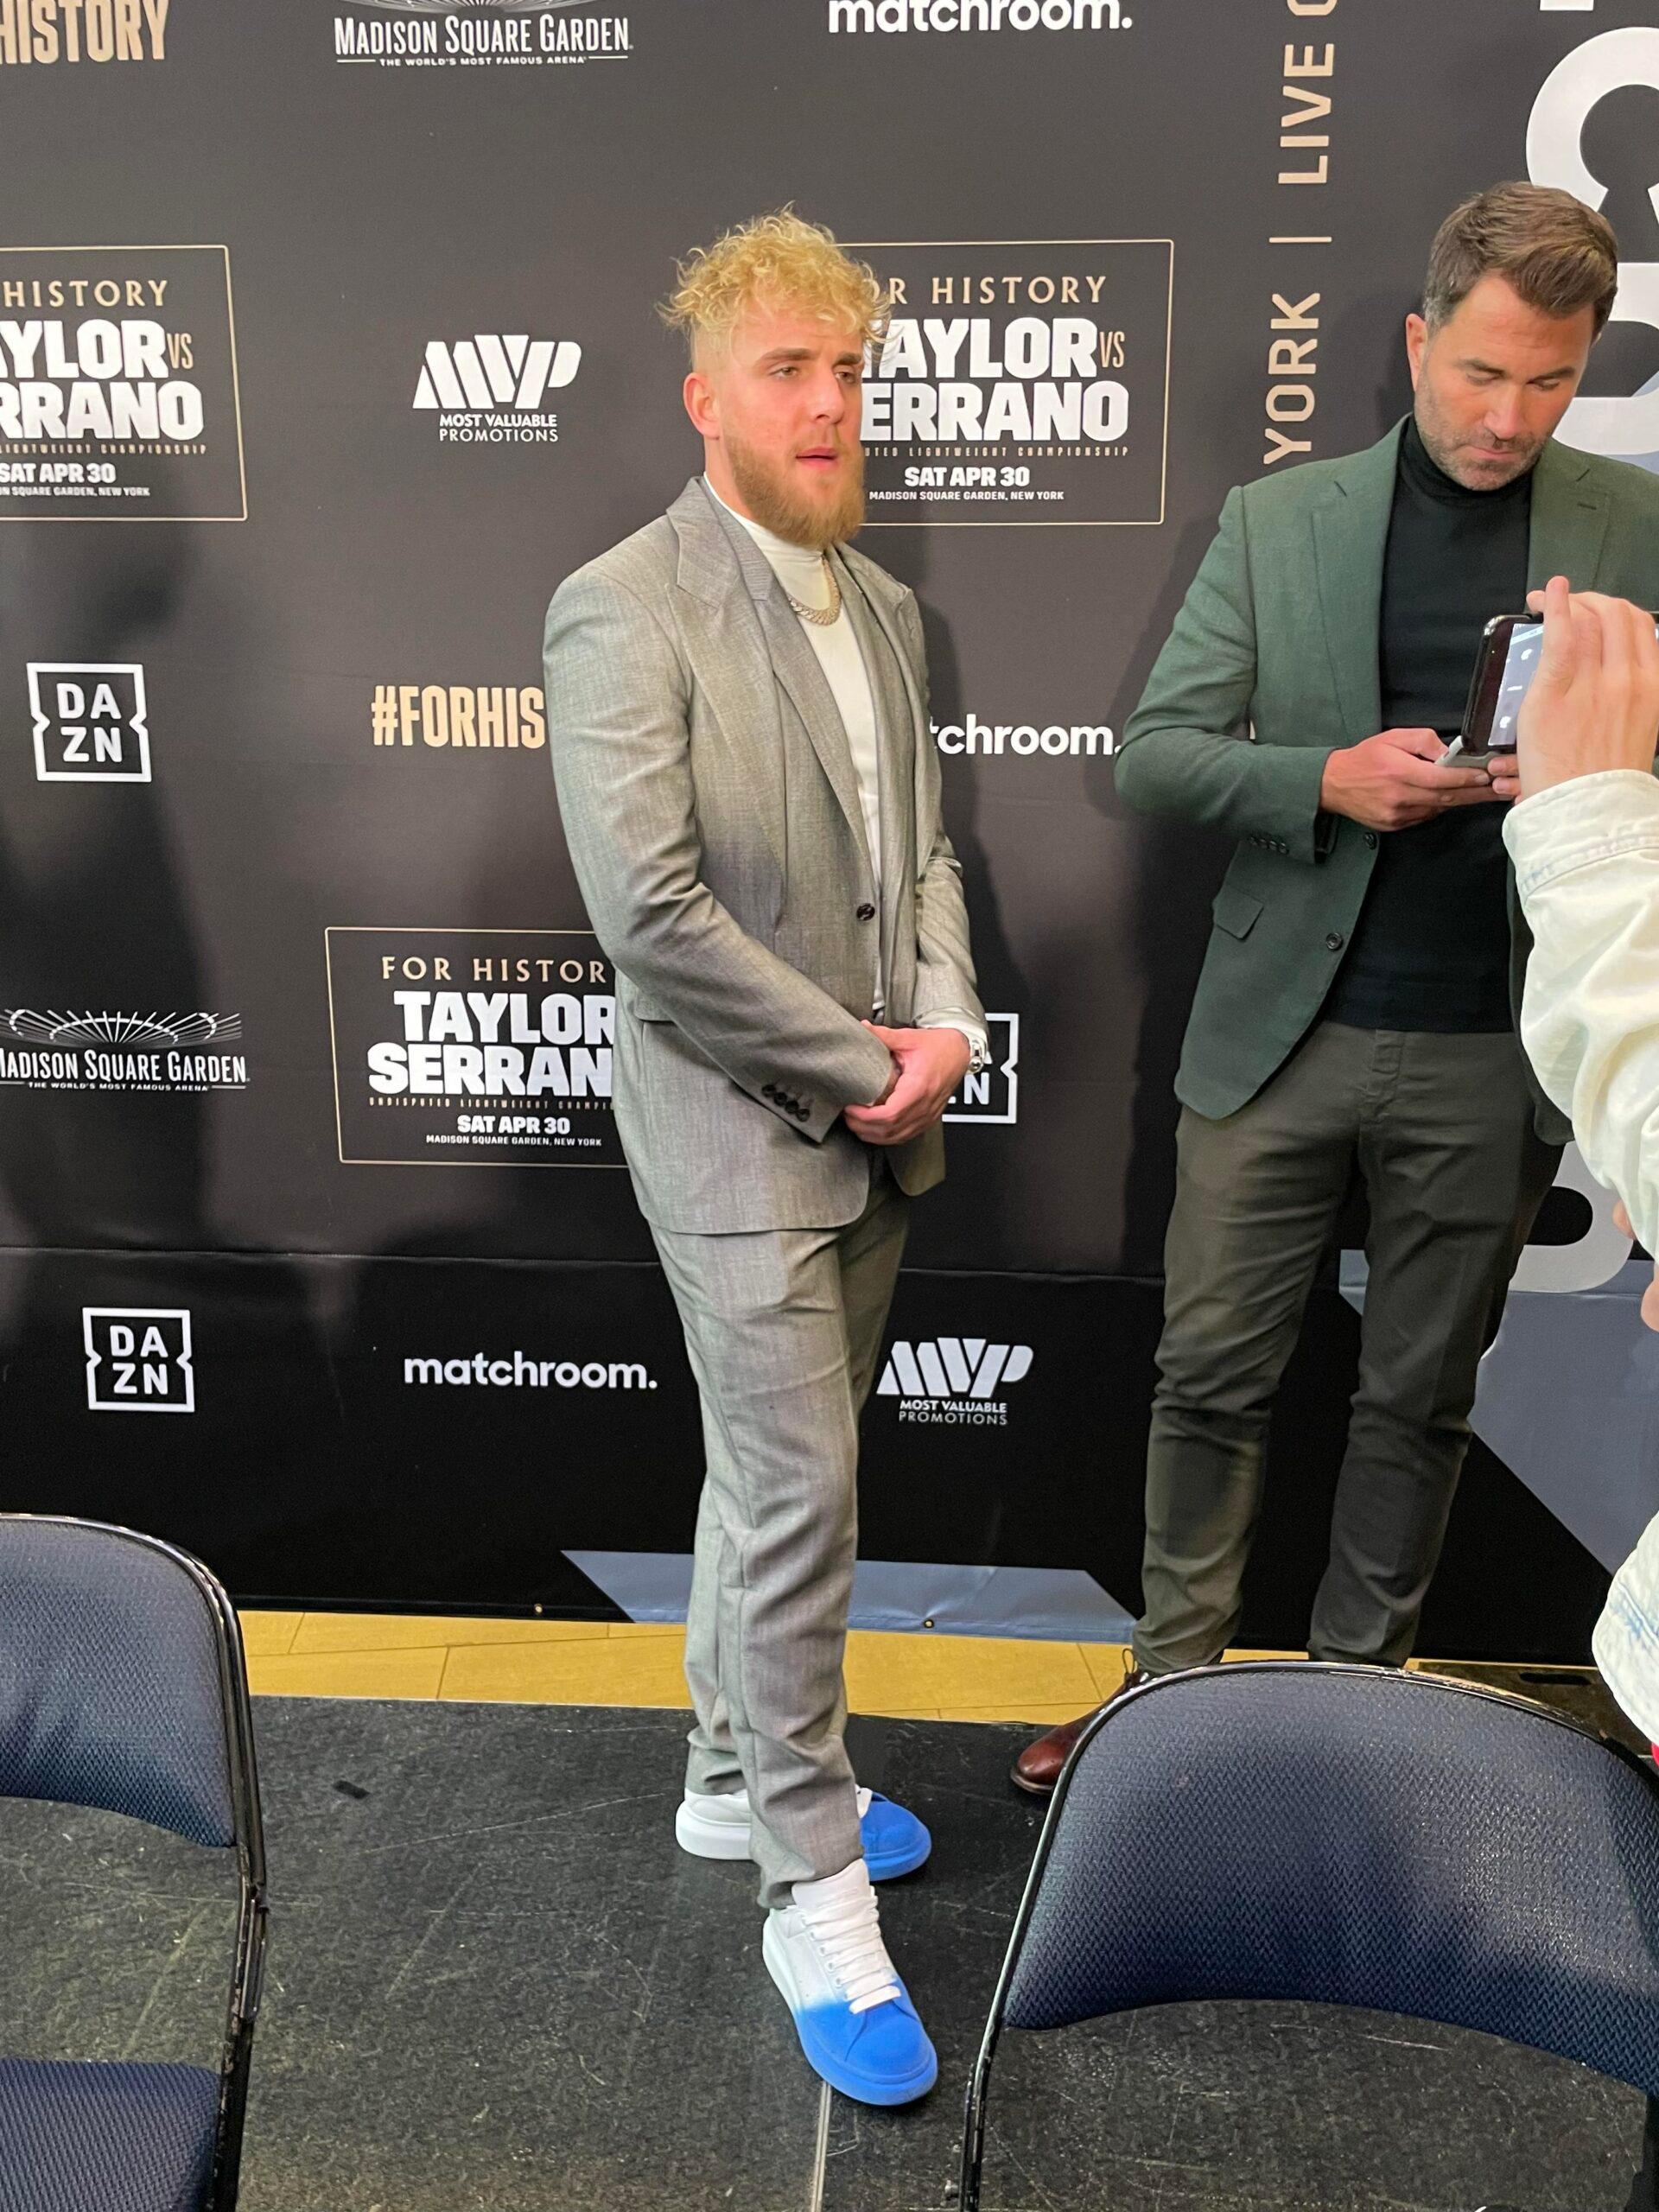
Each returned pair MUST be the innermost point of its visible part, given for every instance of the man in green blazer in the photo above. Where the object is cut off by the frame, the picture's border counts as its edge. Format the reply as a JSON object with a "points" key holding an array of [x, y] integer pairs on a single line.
{"points": [[1355, 1011]]}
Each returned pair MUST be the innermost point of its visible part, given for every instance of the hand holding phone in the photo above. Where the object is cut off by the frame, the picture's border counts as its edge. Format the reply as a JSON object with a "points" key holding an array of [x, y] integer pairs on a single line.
{"points": [[1595, 705], [1507, 663], [1499, 766], [1510, 652], [1395, 779]]}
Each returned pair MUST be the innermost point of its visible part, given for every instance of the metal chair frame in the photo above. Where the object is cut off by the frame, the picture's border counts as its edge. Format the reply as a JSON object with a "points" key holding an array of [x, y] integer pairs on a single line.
{"points": [[253, 1912], [973, 2134]]}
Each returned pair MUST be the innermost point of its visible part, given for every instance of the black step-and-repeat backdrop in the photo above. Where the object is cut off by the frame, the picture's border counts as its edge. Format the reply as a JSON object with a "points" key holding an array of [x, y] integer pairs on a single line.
{"points": [[326, 347]]}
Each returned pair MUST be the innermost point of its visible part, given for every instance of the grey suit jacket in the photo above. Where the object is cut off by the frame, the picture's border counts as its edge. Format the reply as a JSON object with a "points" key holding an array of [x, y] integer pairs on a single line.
{"points": [[711, 810]]}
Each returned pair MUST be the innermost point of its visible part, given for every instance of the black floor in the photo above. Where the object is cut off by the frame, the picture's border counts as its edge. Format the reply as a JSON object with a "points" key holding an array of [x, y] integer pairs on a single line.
{"points": [[495, 1983]]}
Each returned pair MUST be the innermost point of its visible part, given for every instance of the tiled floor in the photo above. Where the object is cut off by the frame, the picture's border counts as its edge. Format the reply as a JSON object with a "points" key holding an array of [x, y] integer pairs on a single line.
{"points": [[913, 1677]]}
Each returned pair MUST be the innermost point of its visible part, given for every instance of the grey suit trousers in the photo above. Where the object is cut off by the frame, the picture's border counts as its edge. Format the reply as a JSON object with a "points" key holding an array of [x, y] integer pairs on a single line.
{"points": [[783, 1328]]}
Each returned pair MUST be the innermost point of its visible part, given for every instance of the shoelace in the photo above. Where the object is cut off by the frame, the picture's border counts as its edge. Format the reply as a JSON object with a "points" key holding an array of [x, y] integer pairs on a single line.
{"points": [[849, 1935]]}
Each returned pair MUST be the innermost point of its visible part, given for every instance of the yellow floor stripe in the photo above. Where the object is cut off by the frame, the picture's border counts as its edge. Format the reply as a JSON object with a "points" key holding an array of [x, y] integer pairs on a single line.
{"points": [[922, 1676], [919, 1676], [540, 1662]]}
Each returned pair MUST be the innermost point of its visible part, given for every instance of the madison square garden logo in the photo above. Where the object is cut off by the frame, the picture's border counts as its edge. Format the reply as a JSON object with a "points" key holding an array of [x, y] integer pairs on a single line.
{"points": [[486, 1048], [90, 721], [119, 398], [138, 1359], [479, 34], [954, 1382], [61, 1049], [1020, 384]]}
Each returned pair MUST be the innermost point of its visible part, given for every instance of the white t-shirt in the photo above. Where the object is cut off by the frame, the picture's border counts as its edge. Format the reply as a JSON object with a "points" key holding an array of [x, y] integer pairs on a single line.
{"points": [[801, 572]]}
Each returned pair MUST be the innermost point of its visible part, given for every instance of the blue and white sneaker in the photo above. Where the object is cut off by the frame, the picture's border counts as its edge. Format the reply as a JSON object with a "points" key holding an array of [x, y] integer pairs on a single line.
{"points": [[856, 2021], [895, 1841]]}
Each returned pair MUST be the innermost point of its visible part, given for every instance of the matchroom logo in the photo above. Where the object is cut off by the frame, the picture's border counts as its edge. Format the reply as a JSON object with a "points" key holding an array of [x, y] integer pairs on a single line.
{"points": [[947, 16], [954, 1381], [486, 1371], [1058, 740], [488, 391], [118, 397], [90, 721], [1021, 384], [486, 1048], [480, 34], [138, 1359]]}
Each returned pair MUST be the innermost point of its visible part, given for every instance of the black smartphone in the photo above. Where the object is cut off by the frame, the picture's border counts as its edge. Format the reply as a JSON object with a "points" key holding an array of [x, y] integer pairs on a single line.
{"points": [[1507, 663]]}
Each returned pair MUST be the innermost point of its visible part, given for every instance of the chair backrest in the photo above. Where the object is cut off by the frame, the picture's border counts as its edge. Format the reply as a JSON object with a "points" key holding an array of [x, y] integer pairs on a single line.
{"points": [[1348, 1836], [123, 1686], [112, 1688]]}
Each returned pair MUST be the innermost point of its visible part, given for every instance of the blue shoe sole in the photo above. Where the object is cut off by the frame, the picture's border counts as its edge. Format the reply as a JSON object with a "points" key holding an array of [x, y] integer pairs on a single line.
{"points": [[887, 2091], [888, 1865]]}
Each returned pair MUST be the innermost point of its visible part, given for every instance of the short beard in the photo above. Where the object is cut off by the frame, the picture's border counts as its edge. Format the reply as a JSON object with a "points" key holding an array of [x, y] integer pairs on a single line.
{"points": [[772, 501], [1444, 458]]}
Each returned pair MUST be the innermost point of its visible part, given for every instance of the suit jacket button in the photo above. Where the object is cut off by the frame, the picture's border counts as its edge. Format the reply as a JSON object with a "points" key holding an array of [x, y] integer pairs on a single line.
{"points": [[1370, 839], [768, 1091], [801, 1113], [1334, 942], [866, 912]]}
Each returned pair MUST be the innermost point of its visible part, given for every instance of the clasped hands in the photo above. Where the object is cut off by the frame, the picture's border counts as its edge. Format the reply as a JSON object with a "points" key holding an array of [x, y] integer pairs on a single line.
{"points": [[927, 1066]]}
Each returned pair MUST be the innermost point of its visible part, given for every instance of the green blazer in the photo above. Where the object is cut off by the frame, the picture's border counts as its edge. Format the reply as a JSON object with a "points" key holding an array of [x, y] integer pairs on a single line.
{"points": [[1280, 630]]}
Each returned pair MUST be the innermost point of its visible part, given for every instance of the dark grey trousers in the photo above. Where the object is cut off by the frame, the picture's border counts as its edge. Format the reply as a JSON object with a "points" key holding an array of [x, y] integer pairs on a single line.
{"points": [[1441, 1130]]}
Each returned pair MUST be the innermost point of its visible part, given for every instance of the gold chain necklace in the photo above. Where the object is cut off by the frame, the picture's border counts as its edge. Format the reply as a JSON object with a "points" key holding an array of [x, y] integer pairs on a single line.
{"points": [[822, 618]]}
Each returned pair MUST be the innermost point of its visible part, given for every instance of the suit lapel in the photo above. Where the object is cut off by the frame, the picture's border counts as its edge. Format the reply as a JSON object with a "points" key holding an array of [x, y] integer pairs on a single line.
{"points": [[728, 654], [1350, 535], [1569, 520], [801, 673], [747, 608], [898, 705]]}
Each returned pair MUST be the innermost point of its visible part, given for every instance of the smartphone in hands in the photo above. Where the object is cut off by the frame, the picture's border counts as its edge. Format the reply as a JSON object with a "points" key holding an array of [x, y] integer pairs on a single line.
{"points": [[1505, 669]]}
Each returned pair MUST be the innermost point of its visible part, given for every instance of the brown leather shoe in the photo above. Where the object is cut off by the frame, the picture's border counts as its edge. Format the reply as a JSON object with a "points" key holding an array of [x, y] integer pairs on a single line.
{"points": [[1038, 1767]]}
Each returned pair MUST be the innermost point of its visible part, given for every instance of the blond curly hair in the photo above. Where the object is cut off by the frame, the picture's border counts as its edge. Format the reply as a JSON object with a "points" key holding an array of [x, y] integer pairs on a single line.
{"points": [[775, 258]]}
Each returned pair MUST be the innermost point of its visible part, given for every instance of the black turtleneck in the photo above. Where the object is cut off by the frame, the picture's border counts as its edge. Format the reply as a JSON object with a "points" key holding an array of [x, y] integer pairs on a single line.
{"points": [[1431, 947]]}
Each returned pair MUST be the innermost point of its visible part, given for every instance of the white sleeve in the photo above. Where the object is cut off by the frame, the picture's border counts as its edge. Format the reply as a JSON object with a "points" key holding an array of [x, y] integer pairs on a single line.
{"points": [[1586, 859]]}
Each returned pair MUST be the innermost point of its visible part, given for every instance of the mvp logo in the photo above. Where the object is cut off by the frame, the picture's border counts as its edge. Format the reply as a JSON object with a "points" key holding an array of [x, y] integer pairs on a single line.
{"points": [[952, 1367], [484, 373]]}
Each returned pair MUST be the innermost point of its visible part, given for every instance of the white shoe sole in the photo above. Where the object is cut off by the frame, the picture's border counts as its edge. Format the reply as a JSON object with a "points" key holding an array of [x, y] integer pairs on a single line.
{"points": [[706, 1839]]}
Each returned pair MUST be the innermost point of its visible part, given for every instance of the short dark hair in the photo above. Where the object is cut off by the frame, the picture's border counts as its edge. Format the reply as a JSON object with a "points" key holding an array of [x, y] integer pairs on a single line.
{"points": [[1559, 255]]}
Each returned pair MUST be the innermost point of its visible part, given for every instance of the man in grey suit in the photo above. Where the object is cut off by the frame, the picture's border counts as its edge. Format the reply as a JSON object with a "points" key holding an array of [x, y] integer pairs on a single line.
{"points": [[1355, 1016], [737, 719]]}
